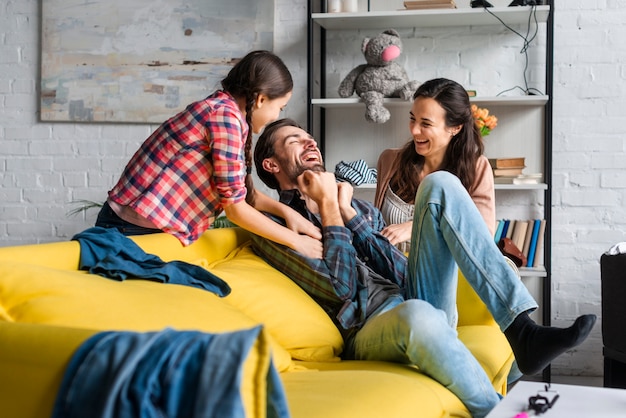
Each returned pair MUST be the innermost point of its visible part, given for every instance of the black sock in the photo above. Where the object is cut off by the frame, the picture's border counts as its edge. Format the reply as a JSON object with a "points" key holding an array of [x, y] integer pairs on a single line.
{"points": [[535, 346]]}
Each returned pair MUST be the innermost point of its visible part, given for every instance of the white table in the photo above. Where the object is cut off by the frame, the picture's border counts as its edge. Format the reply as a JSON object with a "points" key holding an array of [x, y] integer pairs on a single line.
{"points": [[573, 402]]}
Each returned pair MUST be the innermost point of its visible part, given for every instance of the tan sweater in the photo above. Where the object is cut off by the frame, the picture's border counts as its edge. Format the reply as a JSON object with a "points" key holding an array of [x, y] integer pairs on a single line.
{"points": [[483, 194]]}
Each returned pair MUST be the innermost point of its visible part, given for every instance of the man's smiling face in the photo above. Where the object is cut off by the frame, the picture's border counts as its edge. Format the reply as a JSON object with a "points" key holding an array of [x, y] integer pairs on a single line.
{"points": [[295, 151]]}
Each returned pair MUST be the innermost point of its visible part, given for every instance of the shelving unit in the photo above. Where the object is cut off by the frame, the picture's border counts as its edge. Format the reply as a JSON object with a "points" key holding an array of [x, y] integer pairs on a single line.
{"points": [[526, 116]]}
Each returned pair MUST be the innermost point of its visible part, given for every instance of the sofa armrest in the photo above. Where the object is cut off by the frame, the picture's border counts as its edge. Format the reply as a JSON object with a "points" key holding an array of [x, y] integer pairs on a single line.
{"points": [[33, 358]]}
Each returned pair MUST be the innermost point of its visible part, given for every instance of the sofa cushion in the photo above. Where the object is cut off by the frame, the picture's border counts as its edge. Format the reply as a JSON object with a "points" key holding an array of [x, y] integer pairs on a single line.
{"points": [[37, 294], [298, 323], [472, 310], [381, 389], [496, 356]]}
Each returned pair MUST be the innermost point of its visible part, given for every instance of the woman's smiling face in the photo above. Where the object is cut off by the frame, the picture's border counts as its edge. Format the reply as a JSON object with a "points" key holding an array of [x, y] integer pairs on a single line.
{"points": [[428, 128]]}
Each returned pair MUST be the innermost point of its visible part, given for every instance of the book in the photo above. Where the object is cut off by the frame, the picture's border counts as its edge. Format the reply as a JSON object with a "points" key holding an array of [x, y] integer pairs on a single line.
{"points": [[520, 179], [527, 238], [533, 242], [413, 3], [509, 231], [511, 171], [498, 233], [516, 162], [429, 4], [538, 259], [519, 234], [505, 229]]}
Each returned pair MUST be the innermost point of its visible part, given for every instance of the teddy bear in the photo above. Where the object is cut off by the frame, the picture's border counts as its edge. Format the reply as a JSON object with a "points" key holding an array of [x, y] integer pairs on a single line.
{"points": [[381, 77]]}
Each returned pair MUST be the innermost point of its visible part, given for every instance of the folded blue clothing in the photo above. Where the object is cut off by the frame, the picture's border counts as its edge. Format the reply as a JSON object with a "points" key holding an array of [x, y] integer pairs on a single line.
{"points": [[169, 373], [109, 253]]}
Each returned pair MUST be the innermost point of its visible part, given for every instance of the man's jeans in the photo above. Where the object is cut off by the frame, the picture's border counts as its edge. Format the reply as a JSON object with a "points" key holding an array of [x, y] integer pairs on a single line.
{"points": [[448, 231]]}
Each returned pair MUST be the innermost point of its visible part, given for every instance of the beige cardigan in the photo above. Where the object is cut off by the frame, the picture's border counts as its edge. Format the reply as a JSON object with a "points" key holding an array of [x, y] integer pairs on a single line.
{"points": [[483, 194]]}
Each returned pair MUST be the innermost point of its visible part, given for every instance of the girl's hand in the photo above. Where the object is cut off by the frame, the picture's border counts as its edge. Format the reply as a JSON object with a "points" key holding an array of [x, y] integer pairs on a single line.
{"points": [[300, 225], [309, 247], [397, 233]]}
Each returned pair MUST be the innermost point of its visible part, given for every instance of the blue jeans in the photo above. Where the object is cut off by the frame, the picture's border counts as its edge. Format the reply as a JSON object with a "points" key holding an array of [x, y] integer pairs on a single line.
{"points": [[447, 229], [107, 218]]}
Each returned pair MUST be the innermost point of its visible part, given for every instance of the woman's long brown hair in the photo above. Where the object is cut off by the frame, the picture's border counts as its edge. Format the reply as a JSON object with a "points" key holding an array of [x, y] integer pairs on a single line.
{"points": [[259, 72], [463, 151]]}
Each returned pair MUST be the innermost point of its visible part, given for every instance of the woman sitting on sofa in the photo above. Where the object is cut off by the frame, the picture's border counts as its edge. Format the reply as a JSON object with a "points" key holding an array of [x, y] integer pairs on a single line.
{"points": [[445, 137]]}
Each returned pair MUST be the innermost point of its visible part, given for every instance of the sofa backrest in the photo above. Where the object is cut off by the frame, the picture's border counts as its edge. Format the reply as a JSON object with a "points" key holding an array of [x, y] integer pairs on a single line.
{"points": [[214, 245]]}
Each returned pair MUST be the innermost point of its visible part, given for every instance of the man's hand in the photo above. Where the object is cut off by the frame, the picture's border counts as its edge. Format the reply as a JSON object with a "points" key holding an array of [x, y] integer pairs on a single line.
{"points": [[346, 193], [397, 233], [321, 187]]}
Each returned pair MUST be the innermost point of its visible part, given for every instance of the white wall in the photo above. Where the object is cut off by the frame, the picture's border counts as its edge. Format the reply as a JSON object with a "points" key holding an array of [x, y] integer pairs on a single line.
{"points": [[44, 167]]}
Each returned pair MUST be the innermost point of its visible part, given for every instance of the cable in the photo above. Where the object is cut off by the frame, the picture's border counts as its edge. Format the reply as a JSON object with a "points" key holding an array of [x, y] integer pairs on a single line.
{"points": [[527, 41]]}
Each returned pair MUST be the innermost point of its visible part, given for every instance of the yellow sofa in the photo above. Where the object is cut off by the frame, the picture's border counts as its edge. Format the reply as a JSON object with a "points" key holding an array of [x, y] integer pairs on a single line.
{"points": [[48, 308]]}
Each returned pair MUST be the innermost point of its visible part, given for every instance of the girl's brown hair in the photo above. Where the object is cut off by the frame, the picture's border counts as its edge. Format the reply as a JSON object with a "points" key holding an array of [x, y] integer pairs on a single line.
{"points": [[463, 151], [259, 72]]}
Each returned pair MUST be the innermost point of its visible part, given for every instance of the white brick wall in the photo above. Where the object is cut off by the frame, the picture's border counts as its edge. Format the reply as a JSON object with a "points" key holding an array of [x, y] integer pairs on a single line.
{"points": [[44, 167]]}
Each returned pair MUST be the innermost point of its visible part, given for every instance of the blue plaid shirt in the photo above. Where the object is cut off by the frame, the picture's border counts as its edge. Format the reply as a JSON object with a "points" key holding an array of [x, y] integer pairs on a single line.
{"points": [[360, 269]]}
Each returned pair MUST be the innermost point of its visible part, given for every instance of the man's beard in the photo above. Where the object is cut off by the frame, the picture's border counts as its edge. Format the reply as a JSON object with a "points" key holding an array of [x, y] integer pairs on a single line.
{"points": [[294, 172]]}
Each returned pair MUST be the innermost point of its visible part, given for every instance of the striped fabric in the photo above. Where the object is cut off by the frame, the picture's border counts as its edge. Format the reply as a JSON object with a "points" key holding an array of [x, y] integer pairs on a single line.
{"points": [[356, 172]]}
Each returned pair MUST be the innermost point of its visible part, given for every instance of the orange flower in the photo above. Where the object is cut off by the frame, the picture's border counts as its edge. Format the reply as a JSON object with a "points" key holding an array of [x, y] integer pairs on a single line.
{"points": [[484, 121]]}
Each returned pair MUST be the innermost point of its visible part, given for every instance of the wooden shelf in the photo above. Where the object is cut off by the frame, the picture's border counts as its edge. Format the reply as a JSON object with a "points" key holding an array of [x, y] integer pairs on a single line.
{"points": [[430, 18]]}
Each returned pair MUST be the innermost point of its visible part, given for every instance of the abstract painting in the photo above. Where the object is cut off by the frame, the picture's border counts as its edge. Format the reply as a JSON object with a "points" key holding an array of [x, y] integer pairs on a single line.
{"points": [[142, 60]]}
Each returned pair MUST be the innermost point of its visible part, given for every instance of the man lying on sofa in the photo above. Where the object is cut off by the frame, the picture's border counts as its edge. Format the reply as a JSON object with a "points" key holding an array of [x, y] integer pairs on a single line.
{"points": [[386, 310]]}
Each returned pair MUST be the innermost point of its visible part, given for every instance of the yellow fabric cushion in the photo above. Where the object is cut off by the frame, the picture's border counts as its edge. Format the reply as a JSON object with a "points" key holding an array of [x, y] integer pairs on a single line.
{"points": [[295, 320], [37, 294], [368, 389], [472, 310], [35, 356]]}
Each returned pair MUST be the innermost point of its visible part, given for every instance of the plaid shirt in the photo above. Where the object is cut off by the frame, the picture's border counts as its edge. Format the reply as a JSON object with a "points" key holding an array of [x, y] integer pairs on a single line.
{"points": [[192, 166], [359, 271]]}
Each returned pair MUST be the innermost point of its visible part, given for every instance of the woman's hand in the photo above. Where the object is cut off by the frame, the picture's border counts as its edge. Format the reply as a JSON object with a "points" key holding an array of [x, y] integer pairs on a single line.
{"points": [[397, 233]]}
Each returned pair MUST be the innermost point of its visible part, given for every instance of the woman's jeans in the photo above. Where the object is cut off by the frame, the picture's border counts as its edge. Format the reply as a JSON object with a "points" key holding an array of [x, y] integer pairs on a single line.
{"points": [[448, 231]]}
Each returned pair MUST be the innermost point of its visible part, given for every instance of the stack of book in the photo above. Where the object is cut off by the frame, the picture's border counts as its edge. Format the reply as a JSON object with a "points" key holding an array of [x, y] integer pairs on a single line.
{"points": [[511, 171], [527, 235], [429, 4]]}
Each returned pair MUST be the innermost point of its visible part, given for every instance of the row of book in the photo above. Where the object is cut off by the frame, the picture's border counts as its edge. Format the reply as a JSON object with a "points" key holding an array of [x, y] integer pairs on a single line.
{"points": [[429, 4], [511, 171], [527, 235]]}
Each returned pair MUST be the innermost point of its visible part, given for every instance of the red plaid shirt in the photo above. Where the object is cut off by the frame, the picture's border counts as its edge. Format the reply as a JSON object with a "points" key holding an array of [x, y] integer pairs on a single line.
{"points": [[189, 169]]}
